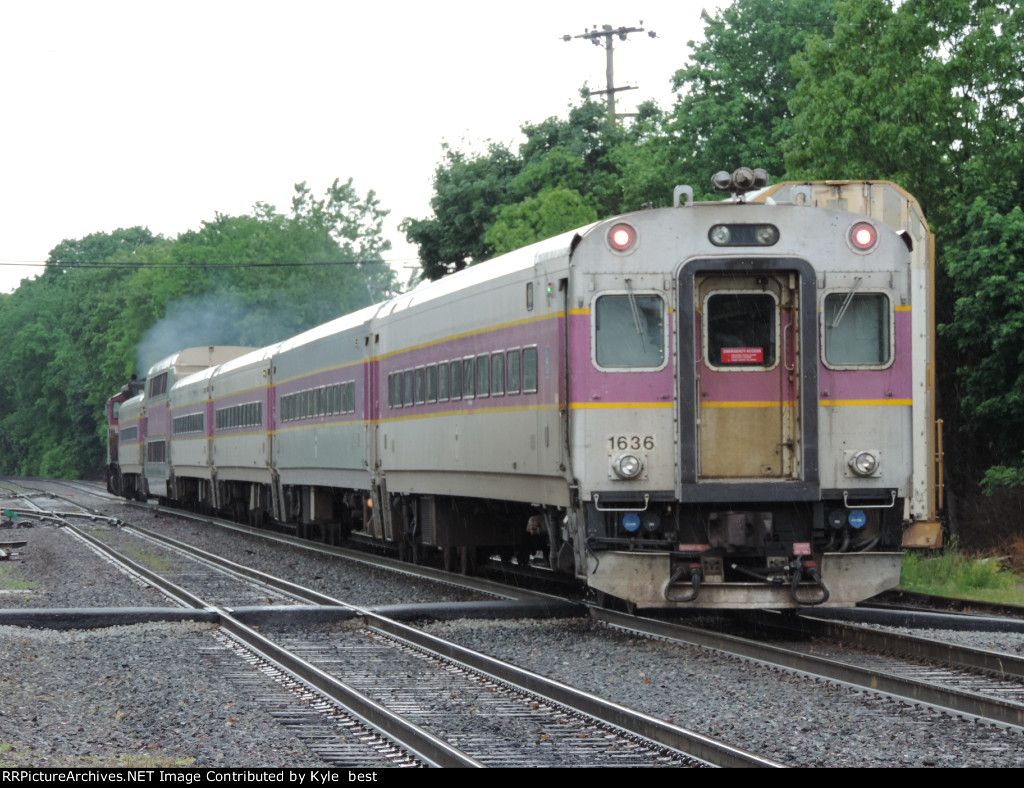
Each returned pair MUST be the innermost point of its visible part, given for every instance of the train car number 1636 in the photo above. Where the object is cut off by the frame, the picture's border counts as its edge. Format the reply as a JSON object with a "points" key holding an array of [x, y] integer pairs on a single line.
{"points": [[635, 442]]}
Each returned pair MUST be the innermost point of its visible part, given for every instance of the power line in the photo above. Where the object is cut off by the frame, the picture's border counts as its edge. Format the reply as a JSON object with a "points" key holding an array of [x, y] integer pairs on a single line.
{"points": [[136, 266]]}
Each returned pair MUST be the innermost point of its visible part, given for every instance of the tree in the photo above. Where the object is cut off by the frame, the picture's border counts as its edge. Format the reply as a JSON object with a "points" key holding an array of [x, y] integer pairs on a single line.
{"points": [[733, 104], [928, 94], [471, 191], [467, 190], [113, 303], [551, 212]]}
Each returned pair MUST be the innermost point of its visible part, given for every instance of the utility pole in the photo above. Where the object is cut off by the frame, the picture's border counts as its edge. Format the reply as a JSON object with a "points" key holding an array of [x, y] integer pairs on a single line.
{"points": [[607, 32]]}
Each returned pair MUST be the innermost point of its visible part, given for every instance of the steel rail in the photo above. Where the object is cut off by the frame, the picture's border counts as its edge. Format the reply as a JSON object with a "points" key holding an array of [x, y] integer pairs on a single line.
{"points": [[676, 737], [1003, 665], [945, 698], [703, 748], [424, 745], [277, 583], [418, 571], [693, 744], [914, 602]]}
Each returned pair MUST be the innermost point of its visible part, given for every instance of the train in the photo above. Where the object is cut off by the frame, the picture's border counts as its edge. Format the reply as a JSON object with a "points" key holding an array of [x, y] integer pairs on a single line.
{"points": [[720, 404]]}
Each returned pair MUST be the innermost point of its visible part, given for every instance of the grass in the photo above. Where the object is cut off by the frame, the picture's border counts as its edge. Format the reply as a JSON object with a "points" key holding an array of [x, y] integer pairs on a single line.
{"points": [[154, 561], [12, 579], [957, 574]]}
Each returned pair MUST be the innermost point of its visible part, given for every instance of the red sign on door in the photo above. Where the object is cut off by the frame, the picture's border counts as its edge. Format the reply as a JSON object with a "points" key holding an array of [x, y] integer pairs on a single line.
{"points": [[742, 355]]}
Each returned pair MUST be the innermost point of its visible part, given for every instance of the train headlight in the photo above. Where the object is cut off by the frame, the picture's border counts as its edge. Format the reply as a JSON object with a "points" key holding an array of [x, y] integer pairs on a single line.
{"points": [[864, 463], [720, 235], [627, 466]]}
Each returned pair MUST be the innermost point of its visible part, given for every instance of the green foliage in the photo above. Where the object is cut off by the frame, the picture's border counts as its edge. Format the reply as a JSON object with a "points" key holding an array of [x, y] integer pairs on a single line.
{"points": [[958, 575], [467, 189], [914, 94], [551, 212], [471, 191], [733, 108], [1002, 477], [928, 94], [987, 272], [75, 335]]}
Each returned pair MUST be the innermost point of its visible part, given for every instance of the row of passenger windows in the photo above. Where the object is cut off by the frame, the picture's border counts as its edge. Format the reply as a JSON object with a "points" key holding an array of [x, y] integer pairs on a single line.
{"points": [[248, 415], [487, 375], [323, 401], [188, 425]]}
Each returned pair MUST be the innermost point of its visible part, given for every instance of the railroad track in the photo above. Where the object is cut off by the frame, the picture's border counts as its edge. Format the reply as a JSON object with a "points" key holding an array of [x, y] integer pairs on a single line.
{"points": [[963, 682], [960, 680], [551, 724]]}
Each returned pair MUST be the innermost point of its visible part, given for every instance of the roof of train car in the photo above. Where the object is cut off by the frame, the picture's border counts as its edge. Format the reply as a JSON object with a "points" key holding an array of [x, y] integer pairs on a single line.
{"points": [[260, 354], [195, 377], [335, 326], [517, 260], [200, 356]]}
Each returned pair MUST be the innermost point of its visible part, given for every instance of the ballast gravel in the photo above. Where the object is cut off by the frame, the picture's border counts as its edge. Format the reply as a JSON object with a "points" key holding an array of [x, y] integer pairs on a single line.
{"points": [[133, 696], [129, 697], [355, 583], [795, 720]]}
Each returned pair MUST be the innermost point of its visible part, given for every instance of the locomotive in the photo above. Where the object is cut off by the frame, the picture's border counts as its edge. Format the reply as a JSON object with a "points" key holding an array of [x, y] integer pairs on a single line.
{"points": [[725, 404]]}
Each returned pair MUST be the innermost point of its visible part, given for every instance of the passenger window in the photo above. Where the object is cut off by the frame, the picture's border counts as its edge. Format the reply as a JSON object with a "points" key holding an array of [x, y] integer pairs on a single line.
{"points": [[457, 379], [432, 383], [497, 373], [529, 370], [483, 376], [467, 378], [513, 371], [629, 331], [407, 399], [856, 329], [741, 329], [442, 381], [421, 386]]}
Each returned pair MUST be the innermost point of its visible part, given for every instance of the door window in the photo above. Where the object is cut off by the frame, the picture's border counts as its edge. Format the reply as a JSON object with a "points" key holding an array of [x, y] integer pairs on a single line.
{"points": [[740, 329]]}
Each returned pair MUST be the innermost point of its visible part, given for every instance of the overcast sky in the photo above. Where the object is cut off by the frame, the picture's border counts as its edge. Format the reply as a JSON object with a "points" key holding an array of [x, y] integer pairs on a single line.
{"points": [[162, 114]]}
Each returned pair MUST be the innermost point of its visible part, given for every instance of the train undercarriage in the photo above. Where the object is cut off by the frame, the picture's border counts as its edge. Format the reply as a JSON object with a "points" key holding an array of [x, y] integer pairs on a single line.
{"points": [[668, 555]]}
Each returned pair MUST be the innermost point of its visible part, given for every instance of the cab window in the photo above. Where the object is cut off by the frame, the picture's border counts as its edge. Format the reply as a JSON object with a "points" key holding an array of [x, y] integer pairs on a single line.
{"points": [[856, 329], [629, 331]]}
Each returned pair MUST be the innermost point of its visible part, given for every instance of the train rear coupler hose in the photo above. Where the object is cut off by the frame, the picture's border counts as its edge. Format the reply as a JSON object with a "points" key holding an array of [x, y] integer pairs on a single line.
{"points": [[809, 570], [696, 576]]}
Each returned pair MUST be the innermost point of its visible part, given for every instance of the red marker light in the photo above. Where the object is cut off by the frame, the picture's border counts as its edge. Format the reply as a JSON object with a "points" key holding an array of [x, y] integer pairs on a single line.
{"points": [[621, 237], [863, 236]]}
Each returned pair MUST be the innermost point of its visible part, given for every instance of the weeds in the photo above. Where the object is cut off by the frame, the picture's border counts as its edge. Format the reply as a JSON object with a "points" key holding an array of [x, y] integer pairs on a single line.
{"points": [[12, 579], [957, 574]]}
